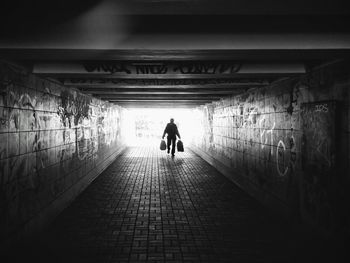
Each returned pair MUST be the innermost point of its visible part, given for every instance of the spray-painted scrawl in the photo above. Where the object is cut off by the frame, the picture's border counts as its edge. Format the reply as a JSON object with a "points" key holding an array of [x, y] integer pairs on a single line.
{"points": [[74, 108], [51, 138]]}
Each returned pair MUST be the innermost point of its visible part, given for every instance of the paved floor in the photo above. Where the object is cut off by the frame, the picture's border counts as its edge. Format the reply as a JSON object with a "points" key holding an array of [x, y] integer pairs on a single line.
{"points": [[149, 207]]}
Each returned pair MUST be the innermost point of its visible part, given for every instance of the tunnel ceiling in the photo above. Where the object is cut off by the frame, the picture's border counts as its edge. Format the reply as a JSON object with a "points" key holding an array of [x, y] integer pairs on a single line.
{"points": [[164, 82], [154, 53]]}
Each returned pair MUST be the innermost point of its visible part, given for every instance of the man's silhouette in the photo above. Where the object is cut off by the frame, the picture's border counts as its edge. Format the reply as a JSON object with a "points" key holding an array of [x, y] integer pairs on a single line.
{"points": [[171, 130]]}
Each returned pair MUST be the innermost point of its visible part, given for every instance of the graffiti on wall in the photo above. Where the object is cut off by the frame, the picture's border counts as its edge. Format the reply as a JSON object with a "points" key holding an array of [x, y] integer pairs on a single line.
{"points": [[45, 132], [299, 147], [250, 126], [94, 125], [23, 115], [74, 108], [286, 160], [207, 124], [266, 134], [318, 162]]}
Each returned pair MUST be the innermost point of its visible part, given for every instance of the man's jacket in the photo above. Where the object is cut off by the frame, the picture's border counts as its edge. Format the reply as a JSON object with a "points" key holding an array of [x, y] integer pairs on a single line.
{"points": [[171, 130]]}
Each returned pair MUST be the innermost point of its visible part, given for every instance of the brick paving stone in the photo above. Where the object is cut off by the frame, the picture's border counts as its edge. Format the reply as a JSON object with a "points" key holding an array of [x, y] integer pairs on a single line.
{"points": [[149, 207]]}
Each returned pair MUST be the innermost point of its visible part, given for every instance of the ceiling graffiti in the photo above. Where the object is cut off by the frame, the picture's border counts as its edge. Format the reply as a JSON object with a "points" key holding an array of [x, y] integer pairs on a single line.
{"points": [[186, 82], [163, 67]]}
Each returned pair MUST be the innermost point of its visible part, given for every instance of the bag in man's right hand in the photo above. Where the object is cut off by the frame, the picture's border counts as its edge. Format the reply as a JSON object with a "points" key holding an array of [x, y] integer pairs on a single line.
{"points": [[162, 145]]}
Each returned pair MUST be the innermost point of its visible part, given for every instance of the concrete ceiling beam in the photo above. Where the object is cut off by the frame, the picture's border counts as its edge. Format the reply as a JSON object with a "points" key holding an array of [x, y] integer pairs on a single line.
{"points": [[140, 93], [162, 98], [165, 101], [175, 84], [262, 53], [166, 70]]}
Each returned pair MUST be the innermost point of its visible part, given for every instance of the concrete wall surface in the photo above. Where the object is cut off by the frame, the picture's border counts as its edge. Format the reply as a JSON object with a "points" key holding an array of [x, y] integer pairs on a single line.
{"points": [[53, 142], [287, 145]]}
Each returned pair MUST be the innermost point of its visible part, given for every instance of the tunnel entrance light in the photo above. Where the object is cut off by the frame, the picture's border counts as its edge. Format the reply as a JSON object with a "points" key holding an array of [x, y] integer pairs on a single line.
{"points": [[145, 126]]}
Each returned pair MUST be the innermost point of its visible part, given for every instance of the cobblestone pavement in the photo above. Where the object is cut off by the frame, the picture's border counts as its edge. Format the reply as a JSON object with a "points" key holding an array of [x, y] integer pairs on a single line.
{"points": [[149, 207]]}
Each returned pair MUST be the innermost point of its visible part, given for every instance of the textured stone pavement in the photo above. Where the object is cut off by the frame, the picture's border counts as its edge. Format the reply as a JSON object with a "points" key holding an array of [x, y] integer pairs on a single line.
{"points": [[148, 207]]}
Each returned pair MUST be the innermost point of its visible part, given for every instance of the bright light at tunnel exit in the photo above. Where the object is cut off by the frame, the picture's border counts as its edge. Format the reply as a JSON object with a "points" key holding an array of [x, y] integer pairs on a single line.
{"points": [[145, 127]]}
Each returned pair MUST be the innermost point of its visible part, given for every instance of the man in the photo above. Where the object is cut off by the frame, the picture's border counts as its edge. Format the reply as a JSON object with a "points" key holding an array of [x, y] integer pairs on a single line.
{"points": [[171, 130]]}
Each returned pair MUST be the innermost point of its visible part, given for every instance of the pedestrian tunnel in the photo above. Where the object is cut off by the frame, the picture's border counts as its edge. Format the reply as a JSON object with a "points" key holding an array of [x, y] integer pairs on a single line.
{"points": [[259, 91], [284, 141]]}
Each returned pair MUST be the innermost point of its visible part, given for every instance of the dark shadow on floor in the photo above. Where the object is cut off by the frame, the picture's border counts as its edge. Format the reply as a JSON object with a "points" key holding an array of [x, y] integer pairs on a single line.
{"points": [[147, 207]]}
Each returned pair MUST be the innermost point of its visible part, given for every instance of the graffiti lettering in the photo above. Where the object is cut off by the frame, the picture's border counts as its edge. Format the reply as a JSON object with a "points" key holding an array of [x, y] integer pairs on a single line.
{"points": [[280, 159], [321, 108], [108, 67], [264, 137], [207, 68], [73, 107], [294, 95], [163, 68], [150, 68]]}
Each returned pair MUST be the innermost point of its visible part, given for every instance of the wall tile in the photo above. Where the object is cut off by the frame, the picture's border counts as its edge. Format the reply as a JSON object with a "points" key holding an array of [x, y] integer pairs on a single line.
{"points": [[23, 142], [3, 145], [40, 129], [4, 114], [13, 144], [267, 146], [4, 173]]}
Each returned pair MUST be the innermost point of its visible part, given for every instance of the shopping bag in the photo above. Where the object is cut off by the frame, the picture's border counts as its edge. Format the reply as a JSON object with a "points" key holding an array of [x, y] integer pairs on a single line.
{"points": [[180, 146], [162, 145]]}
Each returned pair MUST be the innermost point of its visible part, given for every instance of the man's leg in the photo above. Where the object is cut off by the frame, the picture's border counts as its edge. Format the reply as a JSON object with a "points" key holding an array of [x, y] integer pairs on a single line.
{"points": [[168, 144], [173, 141]]}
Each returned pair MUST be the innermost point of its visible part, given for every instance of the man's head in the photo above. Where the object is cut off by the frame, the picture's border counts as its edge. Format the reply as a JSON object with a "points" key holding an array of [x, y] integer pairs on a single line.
{"points": [[171, 120]]}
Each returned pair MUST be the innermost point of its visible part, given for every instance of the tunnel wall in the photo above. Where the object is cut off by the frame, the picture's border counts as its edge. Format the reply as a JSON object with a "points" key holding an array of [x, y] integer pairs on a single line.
{"points": [[287, 145], [53, 142]]}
